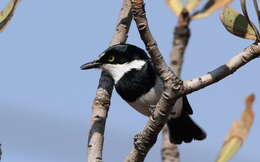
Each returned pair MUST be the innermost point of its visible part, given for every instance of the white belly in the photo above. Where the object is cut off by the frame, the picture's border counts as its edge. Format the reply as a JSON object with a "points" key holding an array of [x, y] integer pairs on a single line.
{"points": [[150, 99]]}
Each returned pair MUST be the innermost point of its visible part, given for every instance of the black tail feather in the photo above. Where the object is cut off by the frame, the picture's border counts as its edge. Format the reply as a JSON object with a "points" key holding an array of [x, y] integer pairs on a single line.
{"points": [[184, 129]]}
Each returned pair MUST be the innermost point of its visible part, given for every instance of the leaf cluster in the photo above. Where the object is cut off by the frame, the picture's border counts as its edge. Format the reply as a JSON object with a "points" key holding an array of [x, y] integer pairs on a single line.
{"points": [[212, 5], [240, 24]]}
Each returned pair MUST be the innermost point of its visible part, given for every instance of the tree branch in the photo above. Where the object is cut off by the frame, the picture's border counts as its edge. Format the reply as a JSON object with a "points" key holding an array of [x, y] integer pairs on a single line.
{"points": [[123, 24], [173, 86], [169, 151], [101, 102], [250, 53], [181, 39]]}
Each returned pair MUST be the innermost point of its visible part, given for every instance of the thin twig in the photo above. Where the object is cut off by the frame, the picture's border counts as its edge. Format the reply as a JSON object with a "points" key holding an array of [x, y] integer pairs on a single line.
{"points": [[257, 11], [170, 151], [102, 100]]}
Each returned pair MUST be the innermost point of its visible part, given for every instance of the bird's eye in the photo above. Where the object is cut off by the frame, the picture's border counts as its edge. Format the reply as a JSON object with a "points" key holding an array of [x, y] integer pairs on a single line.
{"points": [[111, 58]]}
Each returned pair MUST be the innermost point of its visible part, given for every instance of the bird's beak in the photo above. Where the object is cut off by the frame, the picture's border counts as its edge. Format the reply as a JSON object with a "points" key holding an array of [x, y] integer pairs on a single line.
{"points": [[91, 65]]}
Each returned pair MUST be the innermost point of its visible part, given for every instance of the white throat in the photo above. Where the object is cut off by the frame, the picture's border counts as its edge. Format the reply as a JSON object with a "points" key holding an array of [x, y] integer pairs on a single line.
{"points": [[118, 70]]}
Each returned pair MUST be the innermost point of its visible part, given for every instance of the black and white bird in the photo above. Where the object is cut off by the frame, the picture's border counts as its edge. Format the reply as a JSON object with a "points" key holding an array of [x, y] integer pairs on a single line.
{"points": [[139, 85]]}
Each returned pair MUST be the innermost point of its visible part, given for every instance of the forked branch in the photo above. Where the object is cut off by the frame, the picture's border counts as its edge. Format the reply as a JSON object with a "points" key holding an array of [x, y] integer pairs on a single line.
{"points": [[173, 86]]}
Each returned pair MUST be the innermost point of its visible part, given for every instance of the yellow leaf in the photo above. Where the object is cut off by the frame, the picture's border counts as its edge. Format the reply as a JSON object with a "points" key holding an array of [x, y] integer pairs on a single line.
{"points": [[210, 7], [192, 4], [176, 6], [237, 133], [7, 13], [237, 24], [229, 150]]}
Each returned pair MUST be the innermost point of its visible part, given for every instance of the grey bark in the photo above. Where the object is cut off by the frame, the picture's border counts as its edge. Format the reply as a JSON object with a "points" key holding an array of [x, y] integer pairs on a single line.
{"points": [[180, 42], [237, 61], [169, 151], [101, 102], [181, 35], [173, 86]]}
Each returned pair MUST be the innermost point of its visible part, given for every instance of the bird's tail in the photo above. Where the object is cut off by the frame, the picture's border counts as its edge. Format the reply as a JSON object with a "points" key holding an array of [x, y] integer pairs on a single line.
{"points": [[184, 129]]}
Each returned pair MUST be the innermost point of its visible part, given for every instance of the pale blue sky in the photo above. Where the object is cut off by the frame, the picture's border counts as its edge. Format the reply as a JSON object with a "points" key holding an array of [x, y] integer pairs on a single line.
{"points": [[45, 100]]}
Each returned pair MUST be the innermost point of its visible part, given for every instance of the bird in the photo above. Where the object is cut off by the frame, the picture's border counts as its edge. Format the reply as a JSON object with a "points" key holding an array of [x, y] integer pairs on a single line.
{"points": [[137, 82]]}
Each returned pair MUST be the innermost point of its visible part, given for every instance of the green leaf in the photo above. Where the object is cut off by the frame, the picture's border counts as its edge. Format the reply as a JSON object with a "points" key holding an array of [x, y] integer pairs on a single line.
{"points": [[7, 13], [237, 24], [176, 6]]}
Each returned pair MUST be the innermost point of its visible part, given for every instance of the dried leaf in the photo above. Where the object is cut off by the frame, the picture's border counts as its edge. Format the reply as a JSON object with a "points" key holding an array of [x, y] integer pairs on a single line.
{"points": [[176, 6], [248, 114], [210, 7], [192, 5], [7, 13], [237, 133], [237, 24]]}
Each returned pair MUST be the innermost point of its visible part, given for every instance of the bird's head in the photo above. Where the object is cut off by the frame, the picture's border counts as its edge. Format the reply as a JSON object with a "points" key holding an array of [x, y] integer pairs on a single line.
{"points": [[119, 59]]}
